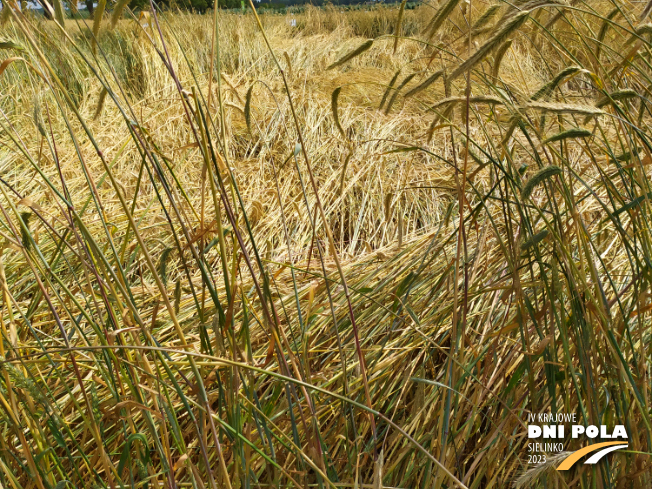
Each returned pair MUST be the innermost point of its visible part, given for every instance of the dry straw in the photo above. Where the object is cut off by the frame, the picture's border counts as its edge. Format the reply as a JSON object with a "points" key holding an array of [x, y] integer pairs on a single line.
{"points": [[242, 294]]}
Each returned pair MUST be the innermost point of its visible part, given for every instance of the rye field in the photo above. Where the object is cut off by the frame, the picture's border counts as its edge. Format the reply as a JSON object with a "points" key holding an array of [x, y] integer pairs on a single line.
{"points": [[331, 248]]}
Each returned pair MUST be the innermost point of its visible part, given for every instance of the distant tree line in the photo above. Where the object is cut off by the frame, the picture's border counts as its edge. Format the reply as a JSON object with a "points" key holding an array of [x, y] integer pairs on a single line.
{"points": [[201, 6]]}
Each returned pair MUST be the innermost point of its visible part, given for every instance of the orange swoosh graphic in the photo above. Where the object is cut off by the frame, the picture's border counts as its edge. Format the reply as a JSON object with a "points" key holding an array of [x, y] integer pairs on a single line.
{"points": [[575, 456]]}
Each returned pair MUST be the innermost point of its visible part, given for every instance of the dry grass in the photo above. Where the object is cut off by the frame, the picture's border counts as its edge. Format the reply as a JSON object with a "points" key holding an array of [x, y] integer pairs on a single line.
{"points": [[464, 260]]}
